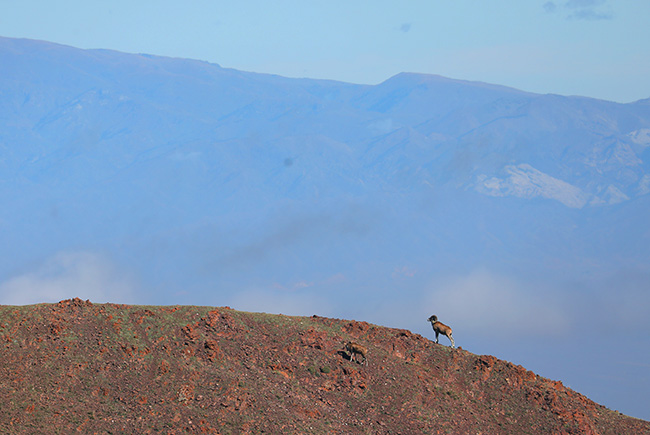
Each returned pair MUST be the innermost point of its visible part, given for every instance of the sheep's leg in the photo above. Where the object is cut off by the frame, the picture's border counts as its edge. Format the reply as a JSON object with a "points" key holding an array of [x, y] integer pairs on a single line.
{"points": [[436, 336], [452, 341]]}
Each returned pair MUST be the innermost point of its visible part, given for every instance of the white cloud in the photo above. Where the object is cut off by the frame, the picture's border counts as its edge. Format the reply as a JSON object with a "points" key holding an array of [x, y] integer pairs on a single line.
{"points": [[485, 303], [66, 275]]}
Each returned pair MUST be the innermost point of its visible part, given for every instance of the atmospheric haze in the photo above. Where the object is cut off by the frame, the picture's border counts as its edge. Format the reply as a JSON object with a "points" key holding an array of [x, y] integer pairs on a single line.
{"points": [[519, 219]]}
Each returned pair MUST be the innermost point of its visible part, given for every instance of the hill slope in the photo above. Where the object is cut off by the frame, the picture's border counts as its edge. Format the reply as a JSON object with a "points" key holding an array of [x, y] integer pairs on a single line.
{"points": [[112, 368]]}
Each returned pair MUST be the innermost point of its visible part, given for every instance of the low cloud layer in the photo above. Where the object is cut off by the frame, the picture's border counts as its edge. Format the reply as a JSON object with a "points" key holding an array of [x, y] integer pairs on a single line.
{"points": [[485, 303], [66, 275], [298, 301]]}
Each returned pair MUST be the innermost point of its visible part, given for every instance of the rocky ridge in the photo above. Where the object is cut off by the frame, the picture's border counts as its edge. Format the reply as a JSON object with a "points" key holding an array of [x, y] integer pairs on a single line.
{"points": [[80, 367]]}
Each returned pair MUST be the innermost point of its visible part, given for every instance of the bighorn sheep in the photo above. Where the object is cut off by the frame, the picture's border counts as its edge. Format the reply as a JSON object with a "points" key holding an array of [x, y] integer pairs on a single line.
{"points": [[354, 349], [441, 328]]}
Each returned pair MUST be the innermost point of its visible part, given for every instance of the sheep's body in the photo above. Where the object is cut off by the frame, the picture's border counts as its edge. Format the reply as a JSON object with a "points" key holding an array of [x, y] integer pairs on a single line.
{"points": [[357, 349], [441, 328]]}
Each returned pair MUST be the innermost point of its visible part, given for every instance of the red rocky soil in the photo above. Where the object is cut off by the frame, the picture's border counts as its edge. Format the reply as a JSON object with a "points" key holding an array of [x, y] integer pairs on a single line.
{"points": [[78, 367]]}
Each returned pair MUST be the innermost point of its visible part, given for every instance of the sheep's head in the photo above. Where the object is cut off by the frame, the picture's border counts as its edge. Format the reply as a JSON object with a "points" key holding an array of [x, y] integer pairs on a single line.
{"points": [[433, 318]]}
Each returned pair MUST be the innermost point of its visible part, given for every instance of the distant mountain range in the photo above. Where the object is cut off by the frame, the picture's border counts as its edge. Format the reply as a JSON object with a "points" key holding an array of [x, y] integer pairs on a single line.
{"points": [[110, 150], [144, 179], [106, 111], [96, 136]]}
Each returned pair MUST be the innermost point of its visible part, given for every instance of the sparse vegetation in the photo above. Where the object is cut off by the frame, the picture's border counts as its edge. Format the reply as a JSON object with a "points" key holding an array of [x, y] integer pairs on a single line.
{"points": [[75, 366]]}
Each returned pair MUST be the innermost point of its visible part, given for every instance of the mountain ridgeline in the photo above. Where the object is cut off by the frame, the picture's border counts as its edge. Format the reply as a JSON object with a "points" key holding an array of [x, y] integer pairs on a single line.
{"points": [[109, 112]]}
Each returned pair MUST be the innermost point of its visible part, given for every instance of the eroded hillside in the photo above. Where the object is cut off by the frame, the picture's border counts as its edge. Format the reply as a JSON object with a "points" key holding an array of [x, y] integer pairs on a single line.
{"points": [[104, 368]]}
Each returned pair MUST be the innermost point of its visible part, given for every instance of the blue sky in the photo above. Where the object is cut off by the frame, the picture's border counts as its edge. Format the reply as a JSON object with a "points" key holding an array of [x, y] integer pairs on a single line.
{"points": [[595, 48]]}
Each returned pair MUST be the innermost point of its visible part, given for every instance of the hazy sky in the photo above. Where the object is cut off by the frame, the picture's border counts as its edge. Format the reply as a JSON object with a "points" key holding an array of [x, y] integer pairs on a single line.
{"points": [[596, 48]]}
